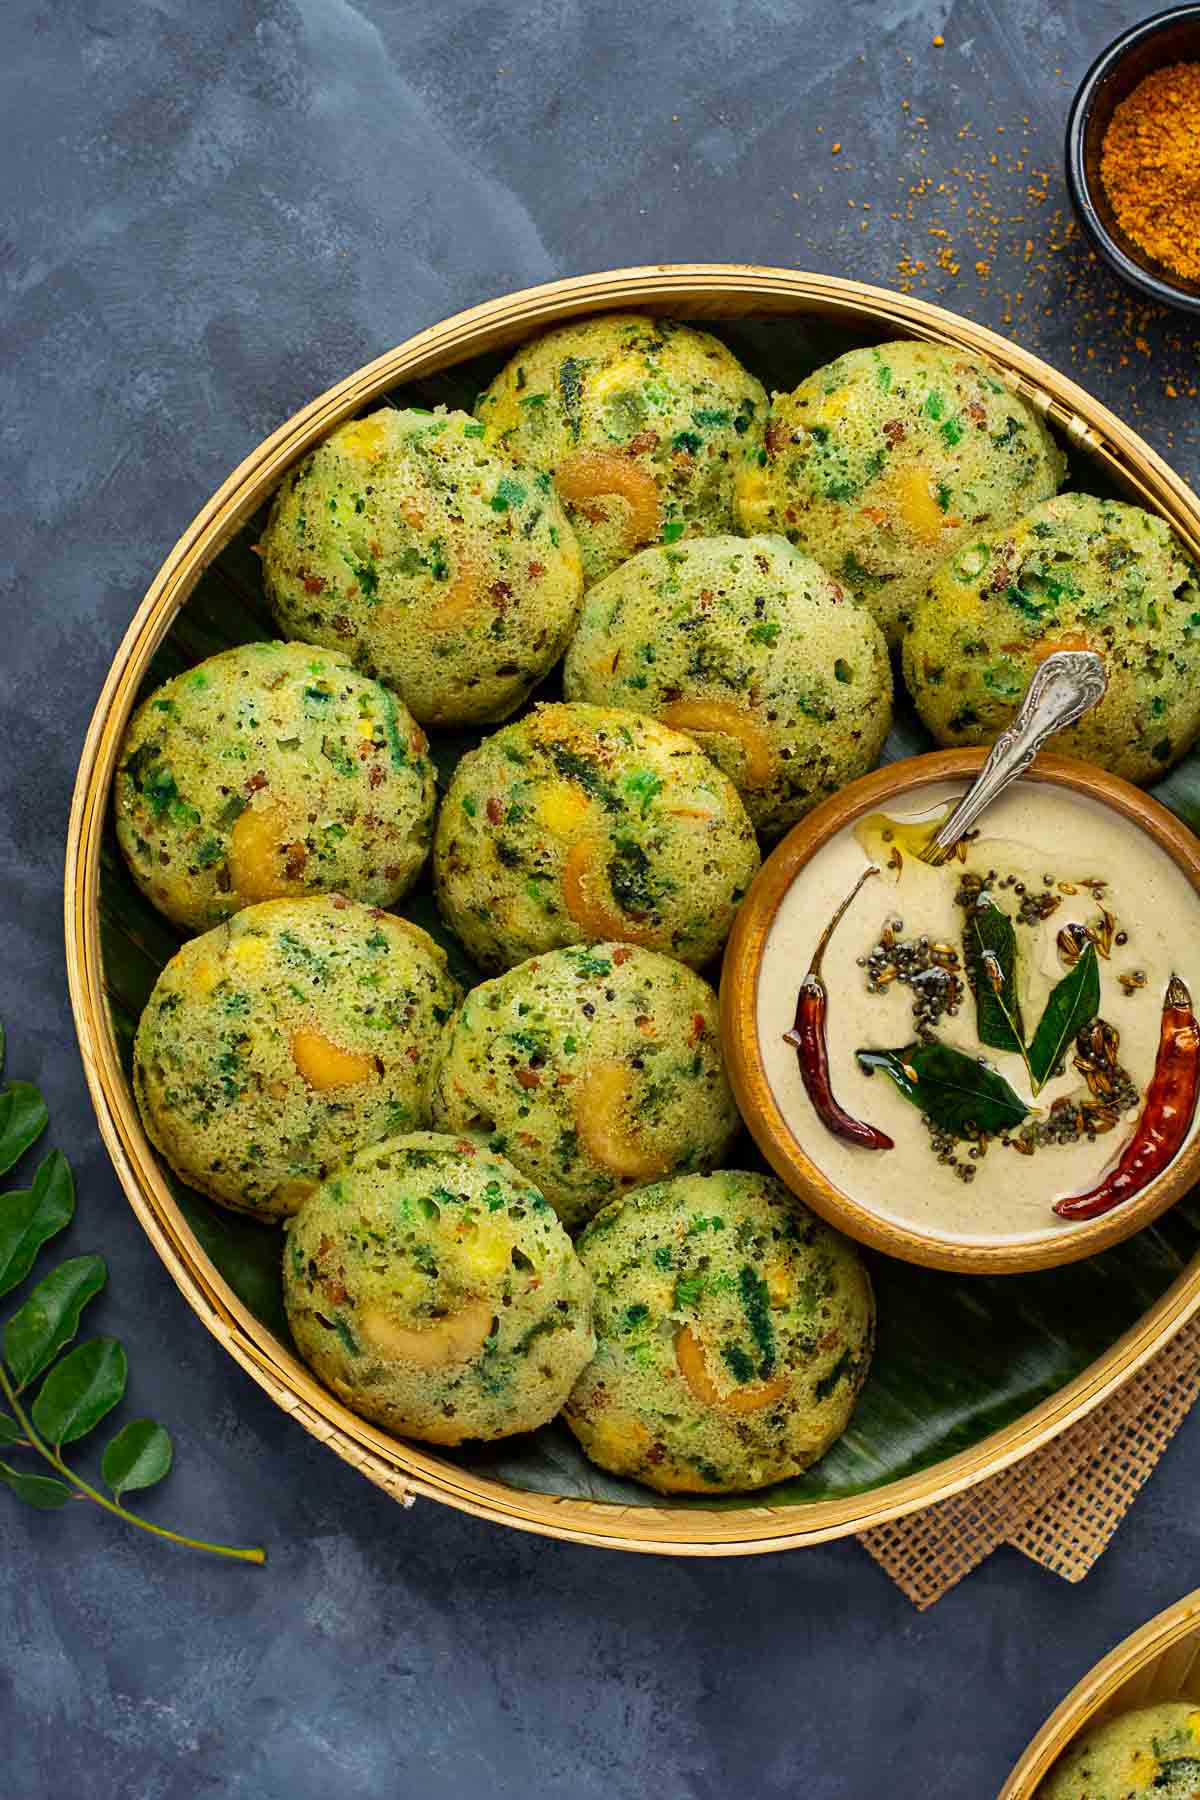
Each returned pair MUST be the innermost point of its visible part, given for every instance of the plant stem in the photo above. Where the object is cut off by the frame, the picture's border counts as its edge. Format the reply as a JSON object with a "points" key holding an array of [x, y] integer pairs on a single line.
{"points": [[247, 1553]]}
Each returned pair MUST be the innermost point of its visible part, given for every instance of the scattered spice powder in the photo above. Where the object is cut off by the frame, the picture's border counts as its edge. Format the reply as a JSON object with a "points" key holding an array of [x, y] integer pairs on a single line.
{"points": [[990, 233], [1150, 166]]}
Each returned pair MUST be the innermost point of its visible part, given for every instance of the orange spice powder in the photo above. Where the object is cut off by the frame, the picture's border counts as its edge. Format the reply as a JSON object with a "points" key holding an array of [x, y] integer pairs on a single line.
{"points": [[1150, 166]]}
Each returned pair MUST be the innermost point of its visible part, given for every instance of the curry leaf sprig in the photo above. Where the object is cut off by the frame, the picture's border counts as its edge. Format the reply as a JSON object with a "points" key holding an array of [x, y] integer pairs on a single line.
{"points": [[991, 950], [78, 1387]]}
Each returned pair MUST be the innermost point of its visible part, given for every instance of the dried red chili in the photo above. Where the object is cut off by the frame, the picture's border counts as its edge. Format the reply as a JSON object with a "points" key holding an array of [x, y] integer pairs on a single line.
{"points": [[1166, 1117], [808, 1037]]}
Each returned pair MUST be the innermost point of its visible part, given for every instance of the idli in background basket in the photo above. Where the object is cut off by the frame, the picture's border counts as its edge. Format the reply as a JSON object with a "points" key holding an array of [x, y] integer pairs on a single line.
{"points": [[964, 1382], [1157, 1666]]}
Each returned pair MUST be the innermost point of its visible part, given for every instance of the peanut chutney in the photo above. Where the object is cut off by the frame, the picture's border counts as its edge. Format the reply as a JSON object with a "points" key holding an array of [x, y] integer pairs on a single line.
{"points": [[946, 976]]}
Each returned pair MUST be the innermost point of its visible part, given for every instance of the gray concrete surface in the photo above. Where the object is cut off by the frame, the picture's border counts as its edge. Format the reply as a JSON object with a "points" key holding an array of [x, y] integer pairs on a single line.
{"points": [[213, 209]]}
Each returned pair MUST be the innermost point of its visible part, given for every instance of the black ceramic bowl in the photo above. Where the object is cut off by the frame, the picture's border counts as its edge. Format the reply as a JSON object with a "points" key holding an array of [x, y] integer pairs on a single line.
{"points": [[1168, 37]]}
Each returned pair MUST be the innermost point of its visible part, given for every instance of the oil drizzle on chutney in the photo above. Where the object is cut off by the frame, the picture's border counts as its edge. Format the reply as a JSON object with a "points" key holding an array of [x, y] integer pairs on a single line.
{"points": [[809, 1040]]}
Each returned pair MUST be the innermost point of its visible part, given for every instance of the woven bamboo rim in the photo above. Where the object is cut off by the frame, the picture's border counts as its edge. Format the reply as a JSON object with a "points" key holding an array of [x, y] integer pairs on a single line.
{"points": [[1159, 1662], [406, 1471]]}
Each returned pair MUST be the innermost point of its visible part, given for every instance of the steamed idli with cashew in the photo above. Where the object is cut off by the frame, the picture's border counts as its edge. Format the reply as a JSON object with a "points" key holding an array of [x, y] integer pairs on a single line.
{"points": [[594, 1069], [884, 462], [435, 564], [641, 421], [1076, 573], [752, 649], [272, 771], [1153, 1751], [579, 824], [433, 1289], [277, 1043], [734, 1331]]}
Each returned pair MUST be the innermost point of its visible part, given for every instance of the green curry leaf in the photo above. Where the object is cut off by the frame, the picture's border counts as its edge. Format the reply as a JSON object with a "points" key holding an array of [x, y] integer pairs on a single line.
{"points": [[1072, 1004], [81, 1387], [137, 1457], [46, 1492], [991, 948], [79, 1390], [960, 1094], [23, 1118], [31, 1216], [49, 1318]]}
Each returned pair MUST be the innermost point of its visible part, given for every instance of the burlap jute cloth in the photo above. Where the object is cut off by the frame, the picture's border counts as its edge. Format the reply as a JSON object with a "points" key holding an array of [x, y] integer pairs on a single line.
{"points": [[1061, 1505]]}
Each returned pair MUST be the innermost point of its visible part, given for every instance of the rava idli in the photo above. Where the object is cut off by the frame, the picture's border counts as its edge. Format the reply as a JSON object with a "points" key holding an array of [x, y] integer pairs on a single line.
{"points": [[1153, 1751], [734, 1331], [579, 824], [750, 647], [434, 1290], [1076, 573], [885, 461], [279, 1042], [269, 771], [594, 1069], [642, 422], [440, 568]]}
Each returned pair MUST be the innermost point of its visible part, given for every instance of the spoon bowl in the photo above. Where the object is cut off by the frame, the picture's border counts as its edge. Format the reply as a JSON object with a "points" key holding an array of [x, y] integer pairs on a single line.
{"points": [[1064, 687]]}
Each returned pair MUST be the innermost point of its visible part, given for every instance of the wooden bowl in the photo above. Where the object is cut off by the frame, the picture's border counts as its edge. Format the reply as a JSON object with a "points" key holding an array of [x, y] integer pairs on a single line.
{"points": [[812, 306], [743, 1049], [1161, 1662]]}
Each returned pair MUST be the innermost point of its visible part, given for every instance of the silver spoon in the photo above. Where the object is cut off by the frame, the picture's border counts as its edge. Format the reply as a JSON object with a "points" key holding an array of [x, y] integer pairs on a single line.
{"points": [[1063, 688]]}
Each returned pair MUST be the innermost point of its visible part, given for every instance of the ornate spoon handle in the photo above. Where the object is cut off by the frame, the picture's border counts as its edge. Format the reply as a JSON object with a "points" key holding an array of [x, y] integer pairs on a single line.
{"points": [[1063, 688]]}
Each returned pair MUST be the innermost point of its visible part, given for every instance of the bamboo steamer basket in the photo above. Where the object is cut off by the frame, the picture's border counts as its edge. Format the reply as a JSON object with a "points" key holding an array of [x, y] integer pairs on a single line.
{"points": [[405, 1470], [1161, 1662]]}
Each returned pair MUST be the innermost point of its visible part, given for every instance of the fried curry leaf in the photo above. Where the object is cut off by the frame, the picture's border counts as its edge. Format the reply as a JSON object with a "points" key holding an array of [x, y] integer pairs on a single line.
{"points": [[960, 1094], [991, 947], [1072, 1004]]}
